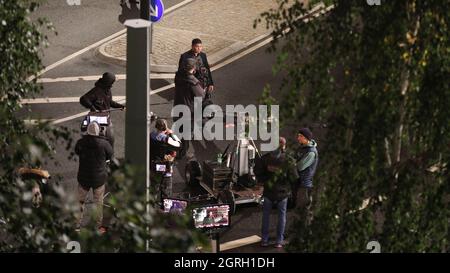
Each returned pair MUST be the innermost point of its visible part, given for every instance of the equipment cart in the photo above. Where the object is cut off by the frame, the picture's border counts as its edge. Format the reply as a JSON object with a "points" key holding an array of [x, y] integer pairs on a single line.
{"points": [[229, 180]]}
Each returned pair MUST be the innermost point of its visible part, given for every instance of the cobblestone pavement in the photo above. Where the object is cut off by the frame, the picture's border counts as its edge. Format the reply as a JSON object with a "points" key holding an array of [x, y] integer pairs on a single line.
{"points": [[225, 27]]}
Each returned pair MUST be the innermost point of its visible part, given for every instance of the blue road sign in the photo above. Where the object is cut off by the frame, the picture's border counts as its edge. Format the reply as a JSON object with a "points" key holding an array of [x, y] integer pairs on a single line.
{"points": [[156, 10]]}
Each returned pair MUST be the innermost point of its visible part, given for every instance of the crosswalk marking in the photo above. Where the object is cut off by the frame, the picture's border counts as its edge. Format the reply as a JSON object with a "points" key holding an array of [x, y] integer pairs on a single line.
{"points": [[59, 100], [153, 76], [119, 100], [240, 242]]}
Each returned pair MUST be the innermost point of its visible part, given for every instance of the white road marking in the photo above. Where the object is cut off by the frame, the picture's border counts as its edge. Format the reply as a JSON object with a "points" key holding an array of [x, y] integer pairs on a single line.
{"points": [[71, 56], [77, 99], [270, 39], [121, 99], [178, 5], [94, 45], [79, 115], [242, 54], [59, 100], [35, 121], [156, 91], [248, 51], [240, 242], [226, 62], [153, 76]]}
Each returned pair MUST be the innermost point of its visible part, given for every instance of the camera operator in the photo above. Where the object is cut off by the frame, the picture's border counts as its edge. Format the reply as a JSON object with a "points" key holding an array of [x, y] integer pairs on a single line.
{"points": [[163, 146]]}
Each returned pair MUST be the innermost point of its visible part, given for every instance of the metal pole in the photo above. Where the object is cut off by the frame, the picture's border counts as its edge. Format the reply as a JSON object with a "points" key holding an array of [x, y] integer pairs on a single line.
{"points": [[145, 9], [215, 242], [145, 15], [137, 117], [151, 40]]}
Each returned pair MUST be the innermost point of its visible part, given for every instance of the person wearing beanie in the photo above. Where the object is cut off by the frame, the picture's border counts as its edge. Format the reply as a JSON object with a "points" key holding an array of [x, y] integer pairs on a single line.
{"points": [[93, 152], [93, 129], [307, 158], [99, 98]]}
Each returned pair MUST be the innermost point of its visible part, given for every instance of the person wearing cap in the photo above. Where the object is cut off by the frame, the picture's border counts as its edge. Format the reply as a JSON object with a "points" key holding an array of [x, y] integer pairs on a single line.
{"points": [[93, 152], [307, 158], [202, 70], [100, 98], [187, 87], [278, 171]]}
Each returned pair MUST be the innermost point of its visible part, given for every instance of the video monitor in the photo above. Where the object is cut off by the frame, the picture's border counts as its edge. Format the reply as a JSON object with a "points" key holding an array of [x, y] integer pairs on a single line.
{"points": [[101, 120], [211, 216], [172, 205], [160, 167]]}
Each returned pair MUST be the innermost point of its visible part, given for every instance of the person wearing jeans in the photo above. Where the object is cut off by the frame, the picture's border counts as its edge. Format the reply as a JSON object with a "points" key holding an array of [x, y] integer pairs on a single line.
{"points": [[98, 194], [276, 175], [93, 151], [307, 159], [281, 208]]}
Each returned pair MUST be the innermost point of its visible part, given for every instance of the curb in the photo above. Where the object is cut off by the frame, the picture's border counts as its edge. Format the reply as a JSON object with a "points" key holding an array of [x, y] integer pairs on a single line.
{"points": [[101, 54], [214, 59], [238, 47]]}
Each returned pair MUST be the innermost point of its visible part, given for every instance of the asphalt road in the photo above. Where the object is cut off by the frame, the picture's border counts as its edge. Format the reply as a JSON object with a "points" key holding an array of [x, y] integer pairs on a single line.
{"points": [[80, 26], [240, 82]]}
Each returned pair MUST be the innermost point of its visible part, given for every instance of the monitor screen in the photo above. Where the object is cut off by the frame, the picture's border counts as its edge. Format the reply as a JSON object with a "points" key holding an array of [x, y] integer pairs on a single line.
{"points": [[174, 205], [102, 120], [213, 216], [160, 167]]}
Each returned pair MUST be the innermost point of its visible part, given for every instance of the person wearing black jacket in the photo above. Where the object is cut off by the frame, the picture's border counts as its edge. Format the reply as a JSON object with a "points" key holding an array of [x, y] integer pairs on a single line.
{"points": [[93, 151], [277, 173], [202, 69], [187, 87], [99, 98], [161, 153]]}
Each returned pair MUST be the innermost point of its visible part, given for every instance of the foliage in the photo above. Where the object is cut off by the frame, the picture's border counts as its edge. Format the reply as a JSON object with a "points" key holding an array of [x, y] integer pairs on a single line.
{"points": [[133, 225], [24, 228], [377, 76]]}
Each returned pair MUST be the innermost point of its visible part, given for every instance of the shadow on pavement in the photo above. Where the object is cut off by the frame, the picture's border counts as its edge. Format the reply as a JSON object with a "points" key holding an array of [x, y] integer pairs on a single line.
{"points": [[131, 12]]}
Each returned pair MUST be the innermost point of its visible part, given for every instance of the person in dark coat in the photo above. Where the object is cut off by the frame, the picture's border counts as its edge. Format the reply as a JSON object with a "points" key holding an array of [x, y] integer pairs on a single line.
{"points": [[277, 175], [93, 151], [202, 69], [99, 98], [161, 152], [187, 87]]}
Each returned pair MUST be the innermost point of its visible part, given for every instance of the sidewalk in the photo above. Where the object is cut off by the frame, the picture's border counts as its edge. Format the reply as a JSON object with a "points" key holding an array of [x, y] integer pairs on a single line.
{"points": [[225, 27]]}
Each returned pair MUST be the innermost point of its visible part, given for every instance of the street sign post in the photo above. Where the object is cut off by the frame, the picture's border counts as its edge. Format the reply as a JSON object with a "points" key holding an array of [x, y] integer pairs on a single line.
{"points": [[156, 10], [137, 116], [153, 11], [156, 13], [145, 9]]}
